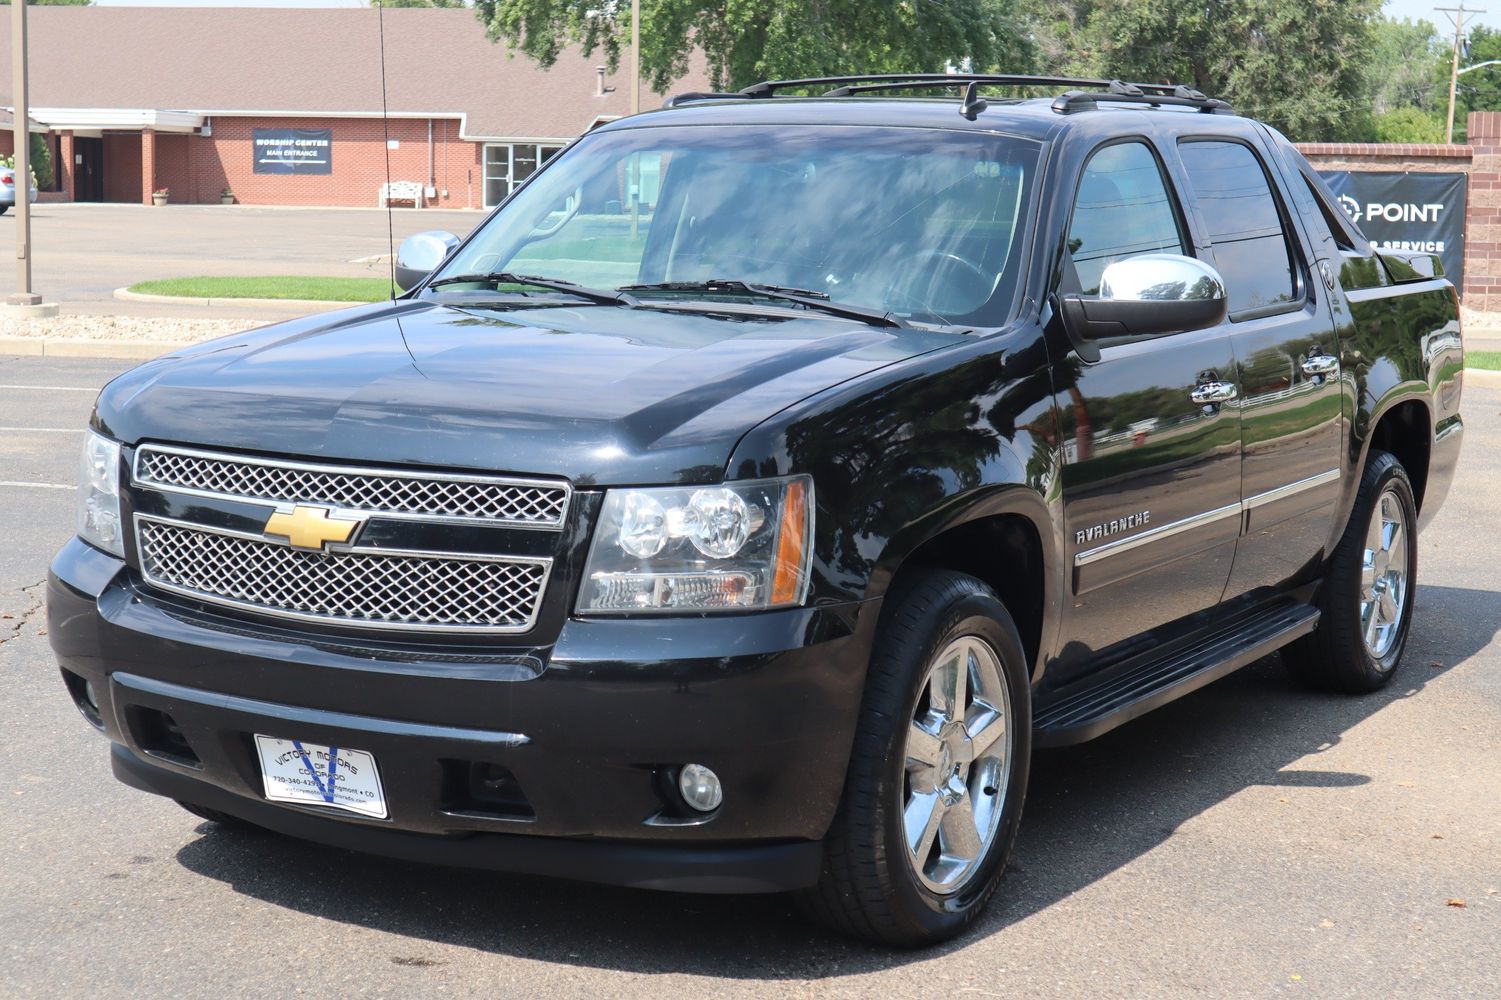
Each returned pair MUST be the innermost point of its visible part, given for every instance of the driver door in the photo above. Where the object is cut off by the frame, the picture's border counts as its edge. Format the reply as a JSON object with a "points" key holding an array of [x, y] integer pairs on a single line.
{"points": [[1151, 473]]}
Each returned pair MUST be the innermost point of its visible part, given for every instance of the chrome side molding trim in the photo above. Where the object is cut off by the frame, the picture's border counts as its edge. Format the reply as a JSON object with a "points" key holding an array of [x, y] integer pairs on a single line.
{"points": [[1291, 489], [1156, 534], [1208, 517]]}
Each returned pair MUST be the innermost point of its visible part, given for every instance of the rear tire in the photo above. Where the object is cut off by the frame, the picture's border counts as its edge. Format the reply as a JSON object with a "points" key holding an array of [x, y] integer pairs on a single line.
{"points": [[940, 761], [1367, 594]]}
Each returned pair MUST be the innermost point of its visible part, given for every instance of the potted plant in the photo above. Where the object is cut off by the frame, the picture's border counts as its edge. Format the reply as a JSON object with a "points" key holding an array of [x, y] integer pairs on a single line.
{"points": [[159, 196], [226, 197]]}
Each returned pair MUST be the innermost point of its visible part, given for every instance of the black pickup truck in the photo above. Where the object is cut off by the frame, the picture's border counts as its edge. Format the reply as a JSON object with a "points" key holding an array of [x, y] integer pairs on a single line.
{"points": [[737, 506]]}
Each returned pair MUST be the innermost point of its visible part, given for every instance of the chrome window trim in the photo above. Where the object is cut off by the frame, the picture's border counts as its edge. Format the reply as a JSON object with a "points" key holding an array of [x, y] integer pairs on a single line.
{"points": [[1291, 489], [304, 616], [387, 472], [1120, 545]]}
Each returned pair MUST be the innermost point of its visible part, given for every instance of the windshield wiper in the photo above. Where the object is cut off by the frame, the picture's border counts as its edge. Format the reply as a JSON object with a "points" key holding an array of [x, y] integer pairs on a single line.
{"points": [[801, 296], [618, 297]]}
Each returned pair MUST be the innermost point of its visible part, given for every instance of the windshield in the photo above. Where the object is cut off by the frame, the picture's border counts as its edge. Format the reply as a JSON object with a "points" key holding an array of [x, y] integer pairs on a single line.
{"points": [[921, 223]]}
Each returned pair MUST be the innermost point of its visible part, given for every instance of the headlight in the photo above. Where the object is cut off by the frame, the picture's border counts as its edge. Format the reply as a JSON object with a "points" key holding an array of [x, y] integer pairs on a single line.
{"points": [[99, 494], [736, 547]]}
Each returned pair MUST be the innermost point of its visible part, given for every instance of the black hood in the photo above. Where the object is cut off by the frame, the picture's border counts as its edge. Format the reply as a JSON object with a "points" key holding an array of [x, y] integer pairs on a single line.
{"points": [[599, 394]]}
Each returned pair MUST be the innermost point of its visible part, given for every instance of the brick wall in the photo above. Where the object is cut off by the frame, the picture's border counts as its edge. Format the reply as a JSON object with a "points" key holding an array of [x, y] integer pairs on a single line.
{"points": [[173, 169], [224, 159], [1483, 219], [122, 167]]}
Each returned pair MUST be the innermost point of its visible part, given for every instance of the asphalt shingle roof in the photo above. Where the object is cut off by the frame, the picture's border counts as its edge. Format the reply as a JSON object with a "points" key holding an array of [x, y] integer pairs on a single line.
{"points": [[316, 61]]}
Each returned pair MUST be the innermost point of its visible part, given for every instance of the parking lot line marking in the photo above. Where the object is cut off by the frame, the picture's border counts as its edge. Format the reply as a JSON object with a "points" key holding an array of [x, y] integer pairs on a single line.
{"points": [[44, 430], [53, 388], [36, 486]]}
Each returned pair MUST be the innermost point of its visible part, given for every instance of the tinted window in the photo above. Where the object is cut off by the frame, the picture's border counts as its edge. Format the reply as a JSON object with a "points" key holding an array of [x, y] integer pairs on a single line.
{"points": [[1236, 203], [1122, 209]]}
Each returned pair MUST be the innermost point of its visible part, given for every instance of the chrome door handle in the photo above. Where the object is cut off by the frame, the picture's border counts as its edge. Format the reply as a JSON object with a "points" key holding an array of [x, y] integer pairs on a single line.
{"points": [[1320, 364], [1213, 392]]}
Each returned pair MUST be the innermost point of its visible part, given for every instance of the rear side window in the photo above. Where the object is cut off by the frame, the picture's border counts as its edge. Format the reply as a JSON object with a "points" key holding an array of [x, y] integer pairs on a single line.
{"points": [[1122, 209], [1235, 199]]}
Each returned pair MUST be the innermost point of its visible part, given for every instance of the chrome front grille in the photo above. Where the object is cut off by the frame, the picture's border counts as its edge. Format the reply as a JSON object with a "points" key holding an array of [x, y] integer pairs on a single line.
{"points": [[361, 587], [429, 496]]}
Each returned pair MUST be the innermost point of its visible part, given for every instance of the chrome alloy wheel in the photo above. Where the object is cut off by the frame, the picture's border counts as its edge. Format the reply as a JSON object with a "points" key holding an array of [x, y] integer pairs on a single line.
{"points": [[958, 765], [1383, 576]]}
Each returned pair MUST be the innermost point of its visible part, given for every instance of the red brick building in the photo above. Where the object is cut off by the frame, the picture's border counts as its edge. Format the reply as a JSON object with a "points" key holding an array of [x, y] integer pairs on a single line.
{"points": [[284, 106]]}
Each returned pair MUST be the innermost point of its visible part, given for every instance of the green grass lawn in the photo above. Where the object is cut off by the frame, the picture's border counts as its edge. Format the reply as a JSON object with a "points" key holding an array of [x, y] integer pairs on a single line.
{"points": [[271, 287], [1483, 359]]}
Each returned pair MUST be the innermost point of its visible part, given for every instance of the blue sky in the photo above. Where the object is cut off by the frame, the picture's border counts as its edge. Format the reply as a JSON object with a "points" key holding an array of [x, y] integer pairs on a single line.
{"points": [[1422, 10]]}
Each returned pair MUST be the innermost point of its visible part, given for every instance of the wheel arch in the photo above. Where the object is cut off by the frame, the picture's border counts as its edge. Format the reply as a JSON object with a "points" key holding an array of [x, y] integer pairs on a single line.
{"points": [[1004, 538]]}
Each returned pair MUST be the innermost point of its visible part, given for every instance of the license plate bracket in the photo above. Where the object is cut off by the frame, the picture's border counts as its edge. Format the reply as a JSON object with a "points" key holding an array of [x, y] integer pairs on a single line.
{"points": [[302, 773]]}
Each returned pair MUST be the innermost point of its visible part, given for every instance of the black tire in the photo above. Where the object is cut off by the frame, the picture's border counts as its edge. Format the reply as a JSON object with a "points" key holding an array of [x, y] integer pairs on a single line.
{"points": [[1335, 656], [4, 209], [868, 888], [212, 815]]}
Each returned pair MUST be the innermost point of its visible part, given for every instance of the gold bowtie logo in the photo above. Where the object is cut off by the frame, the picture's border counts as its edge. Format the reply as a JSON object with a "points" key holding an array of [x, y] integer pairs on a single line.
{"points": [[306, 527]]}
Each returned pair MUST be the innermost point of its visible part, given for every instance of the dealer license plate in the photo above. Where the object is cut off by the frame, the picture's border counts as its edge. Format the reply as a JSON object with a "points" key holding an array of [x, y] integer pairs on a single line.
{"points": [[314, 774]]}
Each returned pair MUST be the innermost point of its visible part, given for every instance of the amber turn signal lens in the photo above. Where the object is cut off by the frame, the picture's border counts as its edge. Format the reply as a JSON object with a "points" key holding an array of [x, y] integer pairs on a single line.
{"points": [[786, 585]]}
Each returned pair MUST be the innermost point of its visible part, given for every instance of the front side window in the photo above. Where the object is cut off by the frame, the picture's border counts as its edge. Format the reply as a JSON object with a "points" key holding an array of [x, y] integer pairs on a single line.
{"points": [[924, 224], [1122, 208], [1251, 250]]}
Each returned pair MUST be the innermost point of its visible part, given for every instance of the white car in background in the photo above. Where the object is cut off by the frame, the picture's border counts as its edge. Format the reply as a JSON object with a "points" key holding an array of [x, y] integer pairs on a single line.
{"points": [[8, 189]]}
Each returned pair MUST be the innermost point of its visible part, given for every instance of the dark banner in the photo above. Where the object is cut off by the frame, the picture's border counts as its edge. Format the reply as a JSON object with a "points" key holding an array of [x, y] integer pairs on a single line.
{"points": [[1403, 211], [293, 150]]}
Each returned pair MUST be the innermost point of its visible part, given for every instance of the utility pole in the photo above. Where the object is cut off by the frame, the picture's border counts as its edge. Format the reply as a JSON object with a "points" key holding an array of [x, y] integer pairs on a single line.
{"points": [[22, 132], [635, 56], [1458, 16]]}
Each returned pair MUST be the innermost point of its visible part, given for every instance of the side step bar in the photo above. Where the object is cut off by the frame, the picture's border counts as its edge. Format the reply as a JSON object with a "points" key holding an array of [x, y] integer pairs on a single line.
{"points": [[1161, 679]]}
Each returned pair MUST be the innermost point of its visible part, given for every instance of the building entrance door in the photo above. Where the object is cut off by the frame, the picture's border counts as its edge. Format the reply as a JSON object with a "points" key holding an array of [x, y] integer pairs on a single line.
{"points": [[88, 169]]}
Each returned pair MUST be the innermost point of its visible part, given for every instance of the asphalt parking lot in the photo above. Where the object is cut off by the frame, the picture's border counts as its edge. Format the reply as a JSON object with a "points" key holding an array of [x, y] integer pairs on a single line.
{"points": [[1250, 840], [83, 252]]}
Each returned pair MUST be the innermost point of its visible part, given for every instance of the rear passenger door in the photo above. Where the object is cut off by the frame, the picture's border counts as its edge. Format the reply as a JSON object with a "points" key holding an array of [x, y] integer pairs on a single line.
{"points": [[1281, 328], [1151, 474]]}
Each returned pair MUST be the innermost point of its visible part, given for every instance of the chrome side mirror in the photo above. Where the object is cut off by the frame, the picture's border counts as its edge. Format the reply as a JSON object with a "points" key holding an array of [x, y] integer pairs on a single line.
{"points": [[420, 255], [1149, 295]]}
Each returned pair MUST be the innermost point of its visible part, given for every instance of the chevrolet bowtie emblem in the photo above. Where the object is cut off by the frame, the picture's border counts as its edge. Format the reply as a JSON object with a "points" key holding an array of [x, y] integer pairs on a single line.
{"points": [[306, 527]]}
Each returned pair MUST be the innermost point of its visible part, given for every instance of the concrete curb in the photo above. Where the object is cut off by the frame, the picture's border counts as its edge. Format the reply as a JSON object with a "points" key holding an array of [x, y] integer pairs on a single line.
{"points": [[291, 305], [1483, 376], [79, 347]]}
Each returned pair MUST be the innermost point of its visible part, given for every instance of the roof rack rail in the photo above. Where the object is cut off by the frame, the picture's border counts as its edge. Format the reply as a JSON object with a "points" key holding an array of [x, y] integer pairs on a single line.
{"points": [[1085, 93], [1128, 93]]}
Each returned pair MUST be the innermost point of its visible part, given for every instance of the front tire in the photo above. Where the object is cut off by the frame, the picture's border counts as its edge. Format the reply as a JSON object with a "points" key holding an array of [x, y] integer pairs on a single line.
{"points": [[1367, 595], [938, 773]]}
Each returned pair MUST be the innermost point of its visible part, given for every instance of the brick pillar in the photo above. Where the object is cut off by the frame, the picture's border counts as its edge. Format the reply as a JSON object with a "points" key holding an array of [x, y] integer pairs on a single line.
{"points": [[67, 170], [1483, 214], [148, 164]]}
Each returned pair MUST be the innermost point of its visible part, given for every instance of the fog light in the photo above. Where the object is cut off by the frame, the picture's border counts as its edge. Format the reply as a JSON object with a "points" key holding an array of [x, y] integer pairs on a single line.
{"points": [[88, 695], [700, 787]]}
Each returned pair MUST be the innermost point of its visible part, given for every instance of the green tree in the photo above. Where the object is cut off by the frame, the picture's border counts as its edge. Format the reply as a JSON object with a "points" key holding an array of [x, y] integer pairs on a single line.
{"points": [[1408, 124], [1297, 66], [1399, 66], [750, 40], [41, 161], [1479, 90]]}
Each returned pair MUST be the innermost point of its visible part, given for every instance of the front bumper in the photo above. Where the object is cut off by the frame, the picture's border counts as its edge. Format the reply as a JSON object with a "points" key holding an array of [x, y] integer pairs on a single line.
{"points": [[589, 730]]}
